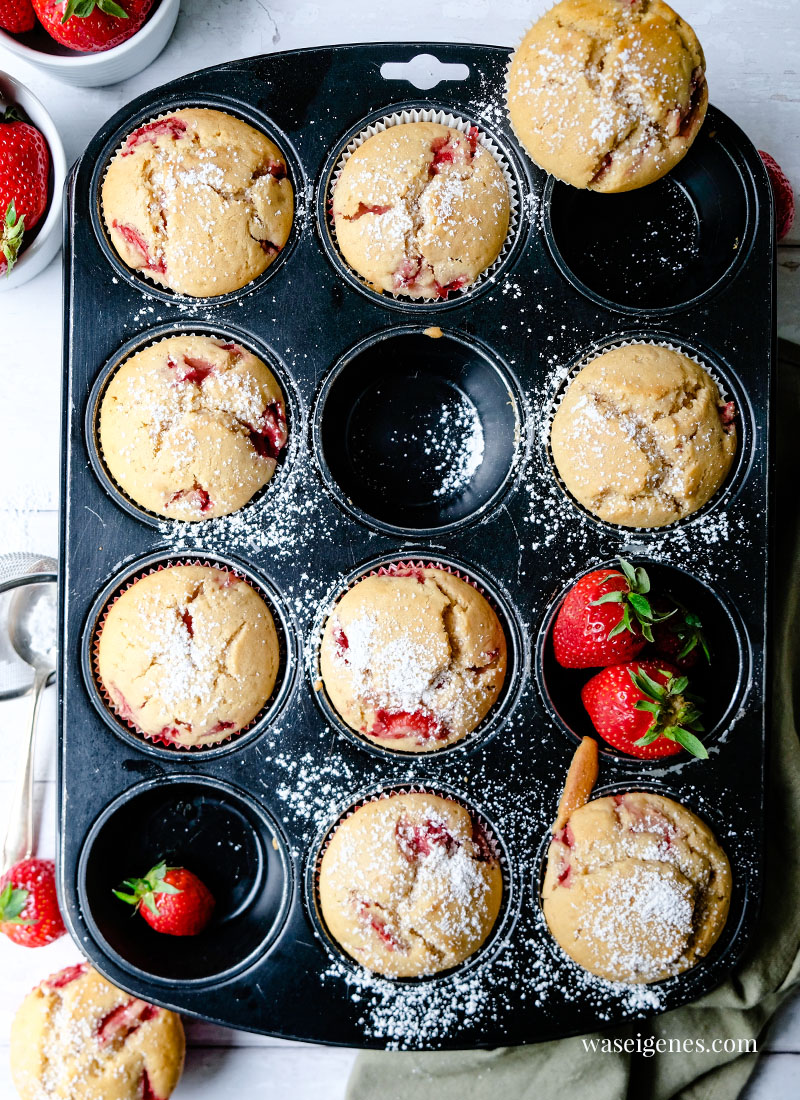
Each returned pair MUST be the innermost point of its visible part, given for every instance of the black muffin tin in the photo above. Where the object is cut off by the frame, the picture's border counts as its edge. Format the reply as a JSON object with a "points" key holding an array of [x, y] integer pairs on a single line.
{"points": [[687, 261]]}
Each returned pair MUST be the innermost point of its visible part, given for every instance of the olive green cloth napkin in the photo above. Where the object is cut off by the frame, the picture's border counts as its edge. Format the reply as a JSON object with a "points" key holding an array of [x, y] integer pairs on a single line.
{"points": [[745, 1003]]}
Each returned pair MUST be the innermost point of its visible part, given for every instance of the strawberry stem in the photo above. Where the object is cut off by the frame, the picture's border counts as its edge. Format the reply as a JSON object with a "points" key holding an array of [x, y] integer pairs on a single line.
{"points": [[674, 714], [82, 8], [142, 891], [11, 236], [637, 611]]}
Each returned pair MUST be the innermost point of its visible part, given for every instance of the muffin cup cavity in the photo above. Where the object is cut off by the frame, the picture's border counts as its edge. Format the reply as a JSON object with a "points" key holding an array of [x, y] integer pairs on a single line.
{"points": [[730, 389], [221, 835], [138, 277], [659, 248], [723, 685], [516, 659], [155, 744], [417, 434], [489, 834], [150, 338], [410, 113]]}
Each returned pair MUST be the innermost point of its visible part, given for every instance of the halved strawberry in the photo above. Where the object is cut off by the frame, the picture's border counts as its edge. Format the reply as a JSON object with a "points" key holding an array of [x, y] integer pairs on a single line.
{"points": [[643, 709]]}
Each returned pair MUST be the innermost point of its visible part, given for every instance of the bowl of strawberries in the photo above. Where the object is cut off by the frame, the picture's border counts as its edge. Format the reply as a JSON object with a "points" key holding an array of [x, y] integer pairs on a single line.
{"points": [[32, 172], [87, 42], [645, 656]]}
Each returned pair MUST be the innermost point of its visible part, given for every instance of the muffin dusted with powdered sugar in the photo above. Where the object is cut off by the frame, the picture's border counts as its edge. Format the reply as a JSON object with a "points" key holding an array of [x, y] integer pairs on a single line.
{"points": [[637, 888], [77, 1037], [413, 657], [199, 201], [421, 209], [192, 427], [410, 885], [608, 94], [188, 654]]}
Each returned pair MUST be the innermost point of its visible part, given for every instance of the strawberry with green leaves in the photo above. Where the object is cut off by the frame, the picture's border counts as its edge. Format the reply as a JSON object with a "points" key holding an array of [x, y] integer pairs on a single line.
{"points": [[92, 25], [643, 708], [29, 913], [606, 618], [24, 176], [171, 900]]}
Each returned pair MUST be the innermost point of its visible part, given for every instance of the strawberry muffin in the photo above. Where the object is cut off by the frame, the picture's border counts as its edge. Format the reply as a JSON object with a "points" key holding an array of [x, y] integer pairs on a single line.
{"points": [[608, 94], [77, 1037], [642, 437], [188, 654], [199, 201], [636, 887], [192, 427], [421, 209], [410, 885], [413, 657]]}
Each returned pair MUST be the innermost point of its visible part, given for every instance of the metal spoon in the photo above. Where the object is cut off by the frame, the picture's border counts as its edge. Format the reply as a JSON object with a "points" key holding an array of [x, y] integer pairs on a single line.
{"points": [[32, 631]]}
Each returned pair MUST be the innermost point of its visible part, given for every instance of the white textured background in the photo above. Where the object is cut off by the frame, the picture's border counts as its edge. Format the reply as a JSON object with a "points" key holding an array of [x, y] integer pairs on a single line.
{"points": [[753, 53]]}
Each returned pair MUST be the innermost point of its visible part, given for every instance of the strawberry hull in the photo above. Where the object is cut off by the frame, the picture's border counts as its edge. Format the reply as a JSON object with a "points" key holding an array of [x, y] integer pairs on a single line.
{"points": [[416, 433]]}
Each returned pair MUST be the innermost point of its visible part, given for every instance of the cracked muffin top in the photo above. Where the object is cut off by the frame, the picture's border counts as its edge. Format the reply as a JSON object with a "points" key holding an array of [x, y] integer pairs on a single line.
{"points": [[413, 657], [421, 209], [608, 94], [636, 888], [199, 201], [642, 437], [77, 1037], [410, 885], [189, 654], [192, 427]]}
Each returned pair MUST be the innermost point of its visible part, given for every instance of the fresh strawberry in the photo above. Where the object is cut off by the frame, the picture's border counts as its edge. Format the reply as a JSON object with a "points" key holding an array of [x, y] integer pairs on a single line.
{"points": [[643, 709], [171, 900], [782, 194], [17, 16], [24, 172], [92, 25], [606, 618], [680, 637], [29, 913]]}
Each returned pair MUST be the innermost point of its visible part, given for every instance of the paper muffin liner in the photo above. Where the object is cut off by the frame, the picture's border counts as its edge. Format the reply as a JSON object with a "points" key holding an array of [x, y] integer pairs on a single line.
{"points": [[487, 841], [142, 272], [456, 122], [155, 738], [563, 381], [94, 441]]}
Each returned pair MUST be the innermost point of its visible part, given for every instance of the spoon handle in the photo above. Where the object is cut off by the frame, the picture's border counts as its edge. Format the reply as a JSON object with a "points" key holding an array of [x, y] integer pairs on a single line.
{"points": [[18, 843]]}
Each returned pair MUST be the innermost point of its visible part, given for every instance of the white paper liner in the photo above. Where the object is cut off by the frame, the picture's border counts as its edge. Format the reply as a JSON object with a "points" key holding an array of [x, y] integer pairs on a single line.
{"points": [[563, 386], [154, 738], [456, 122], [142, 272], [95, 441]]}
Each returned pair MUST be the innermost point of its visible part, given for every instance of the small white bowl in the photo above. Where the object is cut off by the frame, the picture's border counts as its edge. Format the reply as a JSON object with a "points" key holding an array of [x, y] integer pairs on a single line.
{"points": [[47, 241], [90, 70]]}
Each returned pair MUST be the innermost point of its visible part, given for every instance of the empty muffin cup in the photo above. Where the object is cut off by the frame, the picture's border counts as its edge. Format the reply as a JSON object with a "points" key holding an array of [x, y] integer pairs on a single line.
{"points": [[173, 646], [418, 432], [661, 247], [216, 832], [722, 682]]}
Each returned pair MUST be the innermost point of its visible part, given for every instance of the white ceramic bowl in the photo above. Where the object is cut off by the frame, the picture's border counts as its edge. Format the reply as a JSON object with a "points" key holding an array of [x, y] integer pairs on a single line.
{"points": [[90, 70], [47, 241]]}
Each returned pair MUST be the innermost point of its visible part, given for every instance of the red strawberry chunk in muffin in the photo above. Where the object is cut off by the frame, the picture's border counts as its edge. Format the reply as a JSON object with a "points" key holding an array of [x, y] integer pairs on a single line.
{"points": [[136, 241], [197, 498], [455, 284], [124, 1020], [370, 914], [395, 725], [171, 127], [406, 274], [418, 841], [193, 369], [269, 435], [66, 976], [449, 150]]}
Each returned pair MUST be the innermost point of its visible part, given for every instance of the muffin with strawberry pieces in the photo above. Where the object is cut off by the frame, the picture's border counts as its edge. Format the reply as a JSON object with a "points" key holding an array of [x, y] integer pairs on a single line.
{"points": [[410, 885], [199, 201], [608, 94], [24, 183], [188, 655], [413, 657], [421, 209], [192, 427], [77, 1037], [636, 889], [642, 437]]}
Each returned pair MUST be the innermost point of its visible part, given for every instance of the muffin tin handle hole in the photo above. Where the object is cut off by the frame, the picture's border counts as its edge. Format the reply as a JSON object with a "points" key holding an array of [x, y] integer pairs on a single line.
{"points": [[423, 71]]}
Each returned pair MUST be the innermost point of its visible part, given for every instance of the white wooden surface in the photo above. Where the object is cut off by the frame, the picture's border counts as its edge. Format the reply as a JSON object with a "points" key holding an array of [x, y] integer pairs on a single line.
{"points": [[753, 53]]}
